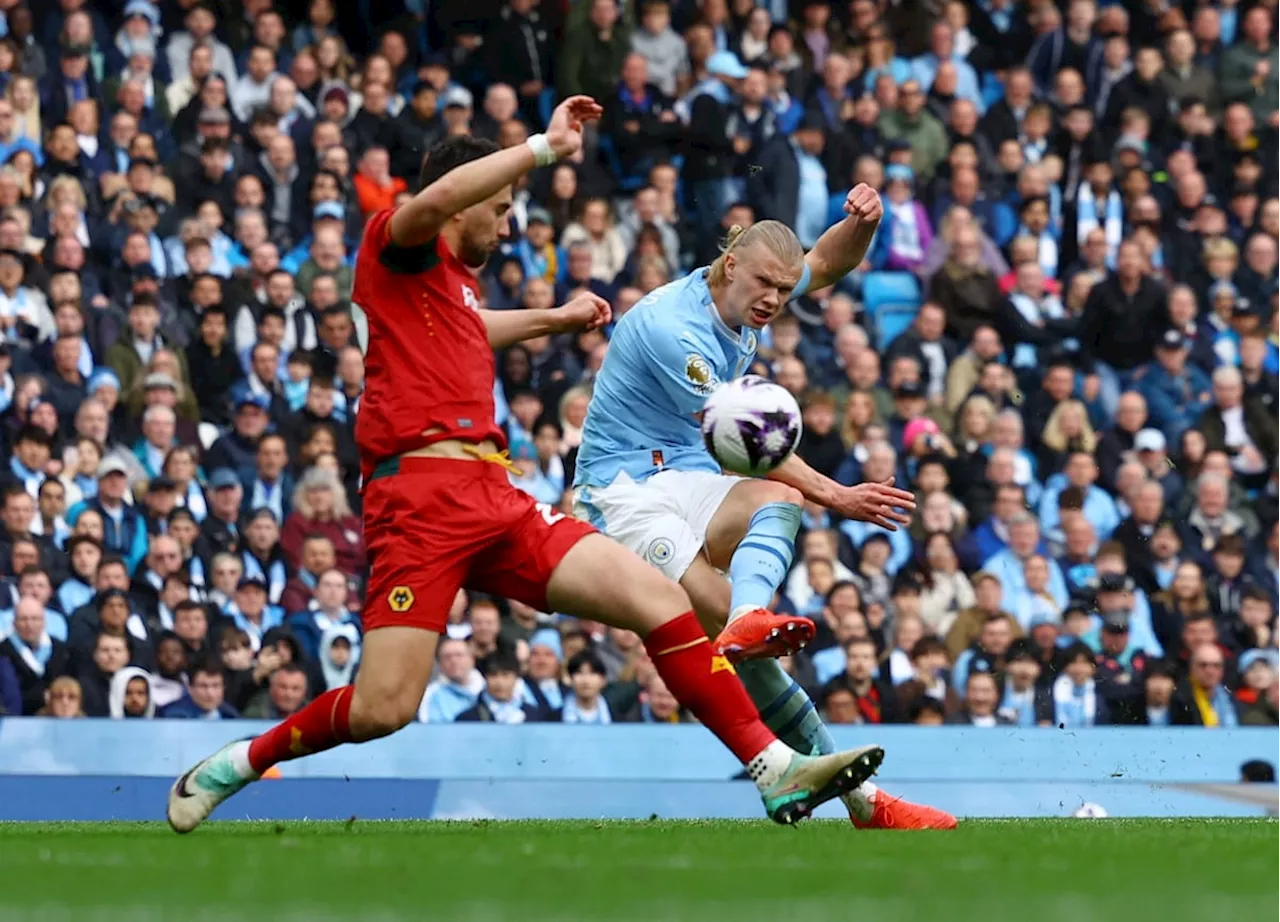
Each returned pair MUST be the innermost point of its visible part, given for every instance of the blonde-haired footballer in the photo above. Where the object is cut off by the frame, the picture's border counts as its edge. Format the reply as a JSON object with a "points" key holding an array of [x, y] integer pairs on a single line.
{"points": [[645, 478]]}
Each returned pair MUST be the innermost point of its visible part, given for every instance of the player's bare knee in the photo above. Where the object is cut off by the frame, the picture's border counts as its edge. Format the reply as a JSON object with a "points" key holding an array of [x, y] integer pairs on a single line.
{"points": [[770, 491], [374, 717]]}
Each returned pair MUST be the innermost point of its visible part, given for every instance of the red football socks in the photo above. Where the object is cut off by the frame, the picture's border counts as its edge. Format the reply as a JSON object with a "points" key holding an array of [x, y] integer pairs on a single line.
{"points": [[707, 685], [321, 725]]}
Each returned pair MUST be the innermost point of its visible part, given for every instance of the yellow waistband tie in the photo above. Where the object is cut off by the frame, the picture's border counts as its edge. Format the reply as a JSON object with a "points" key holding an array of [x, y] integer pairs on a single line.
{"points": [[500, 458]]}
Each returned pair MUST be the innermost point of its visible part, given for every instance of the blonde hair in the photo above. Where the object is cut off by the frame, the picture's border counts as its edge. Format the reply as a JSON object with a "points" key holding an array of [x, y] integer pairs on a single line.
{"points": [[1056, 439], [775, 236]]}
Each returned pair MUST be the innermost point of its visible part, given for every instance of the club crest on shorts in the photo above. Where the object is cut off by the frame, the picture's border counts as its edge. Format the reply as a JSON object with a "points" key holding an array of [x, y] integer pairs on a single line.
{"points": [[400, 599], [659, 552], [699, 373]]}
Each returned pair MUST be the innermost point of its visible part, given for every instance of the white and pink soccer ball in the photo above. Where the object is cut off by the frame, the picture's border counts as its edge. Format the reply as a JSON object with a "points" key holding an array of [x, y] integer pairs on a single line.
{"points": [[751, 425]]}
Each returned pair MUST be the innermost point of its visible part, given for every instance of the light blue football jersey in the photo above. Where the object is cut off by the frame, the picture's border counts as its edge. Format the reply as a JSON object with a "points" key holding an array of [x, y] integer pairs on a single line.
{"points": [[667, 354]]}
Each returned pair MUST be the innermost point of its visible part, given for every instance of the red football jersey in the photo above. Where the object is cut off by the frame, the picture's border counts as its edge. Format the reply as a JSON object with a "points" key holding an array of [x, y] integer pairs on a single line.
{"points": [[428, 363]]}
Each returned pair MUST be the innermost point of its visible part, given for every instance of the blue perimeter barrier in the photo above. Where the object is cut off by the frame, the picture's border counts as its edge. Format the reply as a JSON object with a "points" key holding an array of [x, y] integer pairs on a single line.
{"points": [[121, 770]]}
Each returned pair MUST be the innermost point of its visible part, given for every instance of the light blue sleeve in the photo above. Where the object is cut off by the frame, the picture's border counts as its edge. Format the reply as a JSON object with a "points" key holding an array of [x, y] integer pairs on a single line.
{"points": [[802, 286], [678, 358]]}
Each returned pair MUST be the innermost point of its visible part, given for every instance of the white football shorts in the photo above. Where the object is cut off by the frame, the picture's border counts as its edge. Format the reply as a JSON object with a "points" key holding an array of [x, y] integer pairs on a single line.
{"points": [[663, 519]]}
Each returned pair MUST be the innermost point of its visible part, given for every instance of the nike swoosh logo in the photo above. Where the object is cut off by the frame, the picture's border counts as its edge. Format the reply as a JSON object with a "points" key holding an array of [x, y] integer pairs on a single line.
{"points": [[182, 786]]}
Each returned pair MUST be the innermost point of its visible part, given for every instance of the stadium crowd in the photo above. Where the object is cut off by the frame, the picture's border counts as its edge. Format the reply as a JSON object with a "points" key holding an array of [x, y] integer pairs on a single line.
{"points": [[1064, 338]]}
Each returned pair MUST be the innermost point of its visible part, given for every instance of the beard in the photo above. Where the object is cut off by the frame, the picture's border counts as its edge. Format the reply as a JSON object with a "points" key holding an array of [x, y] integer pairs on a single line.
{"points": [[474, 255]]}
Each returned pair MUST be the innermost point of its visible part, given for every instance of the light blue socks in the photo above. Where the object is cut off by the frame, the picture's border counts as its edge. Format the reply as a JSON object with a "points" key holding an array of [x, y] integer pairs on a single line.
{"points": [[764, 555], [785, 708]]}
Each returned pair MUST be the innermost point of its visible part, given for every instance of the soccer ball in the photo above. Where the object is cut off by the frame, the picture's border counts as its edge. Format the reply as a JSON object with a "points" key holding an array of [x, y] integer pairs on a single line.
{"points": [[1090, 811], [750, 425]]}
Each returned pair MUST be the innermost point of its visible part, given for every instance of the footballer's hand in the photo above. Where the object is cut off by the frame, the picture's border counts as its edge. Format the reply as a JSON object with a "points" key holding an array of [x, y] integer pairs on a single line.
{"points": [[863, 203], [564, 131], [880, 504], [585, 312]]}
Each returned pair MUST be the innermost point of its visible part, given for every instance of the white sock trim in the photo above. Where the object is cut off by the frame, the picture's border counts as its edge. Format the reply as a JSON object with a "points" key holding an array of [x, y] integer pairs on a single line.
{"points": [[770, 764]]}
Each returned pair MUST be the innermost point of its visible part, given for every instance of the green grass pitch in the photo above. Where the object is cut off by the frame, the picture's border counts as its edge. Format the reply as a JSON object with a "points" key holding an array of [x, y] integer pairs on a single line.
{"points": [[987, 871]]}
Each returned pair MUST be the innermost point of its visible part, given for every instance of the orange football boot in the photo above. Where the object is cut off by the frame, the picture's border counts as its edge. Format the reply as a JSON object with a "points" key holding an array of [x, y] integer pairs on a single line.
{"points": [[760, 634], [889, 812]]}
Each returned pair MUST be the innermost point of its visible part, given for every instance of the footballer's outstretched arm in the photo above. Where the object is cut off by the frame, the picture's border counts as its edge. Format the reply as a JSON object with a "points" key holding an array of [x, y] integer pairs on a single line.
{"points": [[421, 218], [585, 312], [880, 504], [842, 248]]}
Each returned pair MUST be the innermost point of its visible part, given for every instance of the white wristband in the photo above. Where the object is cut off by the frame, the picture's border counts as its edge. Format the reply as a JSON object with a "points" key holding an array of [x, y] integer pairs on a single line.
{"points": [[543, 155]]}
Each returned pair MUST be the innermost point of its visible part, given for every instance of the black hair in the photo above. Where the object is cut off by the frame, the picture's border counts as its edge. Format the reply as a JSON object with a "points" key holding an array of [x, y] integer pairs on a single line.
{"points": [[585, 659], [31, 433], [925, 705], [503, 659], [452, 153], [208, 667], [1258, 771]]}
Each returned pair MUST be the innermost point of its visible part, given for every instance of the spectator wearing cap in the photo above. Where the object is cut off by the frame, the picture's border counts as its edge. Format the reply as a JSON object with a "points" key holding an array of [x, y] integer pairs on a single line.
{"points": [[537, 251], [1177, 392], [1202, 699], [1256, 696], [220, 528], [251, 611], [906, 232], [124, 531], [544, 675], [237, 450], [260, 554]]}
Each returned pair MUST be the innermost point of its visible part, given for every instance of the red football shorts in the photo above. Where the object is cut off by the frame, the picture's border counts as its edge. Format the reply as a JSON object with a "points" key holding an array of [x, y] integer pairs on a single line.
{"points": [[435, 525]]}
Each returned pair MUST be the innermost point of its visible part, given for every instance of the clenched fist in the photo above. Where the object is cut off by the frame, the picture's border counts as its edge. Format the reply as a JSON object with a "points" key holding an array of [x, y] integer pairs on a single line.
{"points": [[863, 203]]}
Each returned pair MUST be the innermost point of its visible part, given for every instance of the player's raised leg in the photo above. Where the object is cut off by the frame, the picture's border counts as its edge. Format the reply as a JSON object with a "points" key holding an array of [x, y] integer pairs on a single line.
{"points": [[752, 535], [637, 597]]}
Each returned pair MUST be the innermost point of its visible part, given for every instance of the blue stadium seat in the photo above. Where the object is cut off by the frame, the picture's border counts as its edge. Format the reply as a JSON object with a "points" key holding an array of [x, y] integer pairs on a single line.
{"points": [[892, 322], [890, 300]]}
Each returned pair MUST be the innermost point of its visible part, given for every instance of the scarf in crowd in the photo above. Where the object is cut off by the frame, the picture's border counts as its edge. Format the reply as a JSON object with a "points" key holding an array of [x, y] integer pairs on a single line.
{"points": [[1111, 220], [271, 617], [273, 574], [1074, 705], [869, 706], [503, 712], [905, 242], [1019, 707], [1216, 708], [36, 657], [573, 714]]}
